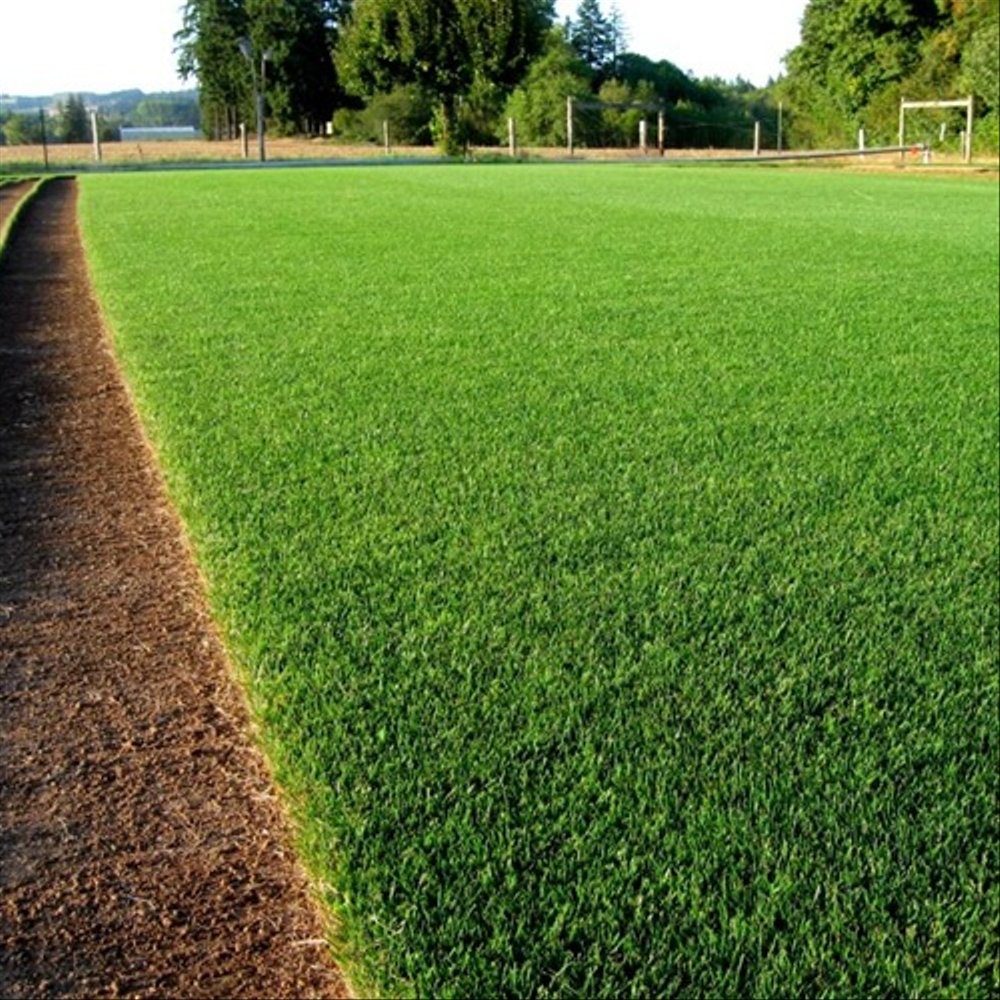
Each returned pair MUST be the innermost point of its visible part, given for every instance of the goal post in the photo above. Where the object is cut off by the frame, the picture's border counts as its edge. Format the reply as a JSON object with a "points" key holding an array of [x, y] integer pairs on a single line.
{"points": [[963, 102]]}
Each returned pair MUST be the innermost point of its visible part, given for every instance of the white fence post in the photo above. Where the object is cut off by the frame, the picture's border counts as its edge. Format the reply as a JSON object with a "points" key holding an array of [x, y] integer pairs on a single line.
{"points": [[968, 131], [96, 135]]}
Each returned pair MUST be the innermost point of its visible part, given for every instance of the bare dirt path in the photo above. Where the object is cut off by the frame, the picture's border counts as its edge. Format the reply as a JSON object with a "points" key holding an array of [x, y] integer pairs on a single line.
{"points": [[143, 851]]}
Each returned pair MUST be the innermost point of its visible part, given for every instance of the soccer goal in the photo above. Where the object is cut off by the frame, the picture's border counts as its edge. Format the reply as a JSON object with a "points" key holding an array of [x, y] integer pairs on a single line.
{"points": [[963, 102]]}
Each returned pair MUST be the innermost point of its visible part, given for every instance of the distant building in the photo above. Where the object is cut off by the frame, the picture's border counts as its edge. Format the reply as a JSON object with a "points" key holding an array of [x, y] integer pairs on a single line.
{"points": [[159, 133]]}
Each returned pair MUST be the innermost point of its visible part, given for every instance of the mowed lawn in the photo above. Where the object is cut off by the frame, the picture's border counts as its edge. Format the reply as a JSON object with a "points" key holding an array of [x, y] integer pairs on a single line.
{"points": [[611, 553]]}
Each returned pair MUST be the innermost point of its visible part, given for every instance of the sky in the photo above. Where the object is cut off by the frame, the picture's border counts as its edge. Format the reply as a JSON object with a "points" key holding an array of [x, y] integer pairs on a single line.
{"points": [[726, 38], [58, 46]]}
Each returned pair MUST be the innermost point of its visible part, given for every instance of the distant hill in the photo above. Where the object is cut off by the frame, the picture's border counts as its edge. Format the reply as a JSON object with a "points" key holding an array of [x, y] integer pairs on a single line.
{"points": [[117, 108], [115, 102]]}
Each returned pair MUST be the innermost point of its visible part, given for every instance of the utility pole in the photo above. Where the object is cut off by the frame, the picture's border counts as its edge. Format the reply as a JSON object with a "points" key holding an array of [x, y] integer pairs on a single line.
{"points": [[259, 86]]}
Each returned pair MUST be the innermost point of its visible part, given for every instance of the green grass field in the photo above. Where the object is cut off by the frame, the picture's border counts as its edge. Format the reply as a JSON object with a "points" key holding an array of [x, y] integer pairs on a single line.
{"points": [[611, 554]]}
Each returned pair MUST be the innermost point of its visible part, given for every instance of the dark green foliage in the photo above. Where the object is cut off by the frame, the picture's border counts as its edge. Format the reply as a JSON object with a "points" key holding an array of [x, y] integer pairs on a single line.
{"points": [[857, 58], [670, 83], [980, 60], [538, 105], [21, 128], [208, 50], [302, 87], [590, 34], [407, 109], [618, 124], [619, 37], [612, 554], [454, 50], [854, 48], [72, 120]]}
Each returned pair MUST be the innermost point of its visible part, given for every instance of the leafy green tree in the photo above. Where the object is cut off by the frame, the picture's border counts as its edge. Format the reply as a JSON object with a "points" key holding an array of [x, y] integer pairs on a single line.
{"points": [[670, 83], [407, 109], [620, 125], [857, 58], [302, 88], [299, 36], [21, 129], [854, 48], [538, 105], [445, 47], [979, 61]]}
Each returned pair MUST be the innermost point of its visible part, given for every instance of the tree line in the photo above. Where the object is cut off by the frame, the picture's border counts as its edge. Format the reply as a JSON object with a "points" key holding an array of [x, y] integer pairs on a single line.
{"points": [[444, 71], [857, 58], [454, 71]]}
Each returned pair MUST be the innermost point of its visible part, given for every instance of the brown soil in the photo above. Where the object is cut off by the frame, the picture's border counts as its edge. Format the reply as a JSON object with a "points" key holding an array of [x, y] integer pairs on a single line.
{"points": [[143, 849], [10, 195]]}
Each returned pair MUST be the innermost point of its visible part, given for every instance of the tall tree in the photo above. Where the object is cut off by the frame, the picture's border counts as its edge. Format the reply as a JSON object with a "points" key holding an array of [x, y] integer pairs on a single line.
{"points": [[538, 105], [592, 35], [858, 57], [853, 48], [207, 48], [298, 35], [448, 48], [302, 88], [72, 120], [618, 37]]}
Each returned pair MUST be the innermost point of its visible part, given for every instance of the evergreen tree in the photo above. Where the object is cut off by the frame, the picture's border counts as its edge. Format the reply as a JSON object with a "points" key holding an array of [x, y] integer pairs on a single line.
{"points": [[298, 35], [72, 120], [592, 35], [618, 37], [208, 49], [302, 88]]}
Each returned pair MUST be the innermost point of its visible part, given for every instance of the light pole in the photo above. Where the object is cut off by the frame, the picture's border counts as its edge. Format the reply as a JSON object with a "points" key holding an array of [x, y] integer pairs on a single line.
{"points": [[259, 85]]}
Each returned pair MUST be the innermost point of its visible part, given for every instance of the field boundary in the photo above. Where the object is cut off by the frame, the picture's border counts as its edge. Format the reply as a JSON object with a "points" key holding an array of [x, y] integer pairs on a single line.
{"points": [[147, 850], [12, 221], [284, 152]]}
